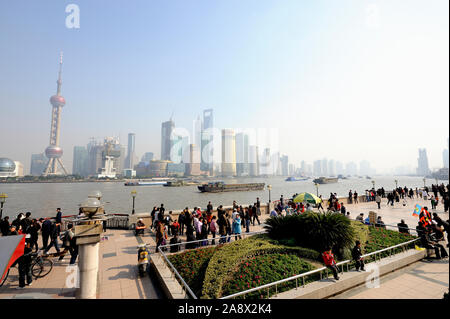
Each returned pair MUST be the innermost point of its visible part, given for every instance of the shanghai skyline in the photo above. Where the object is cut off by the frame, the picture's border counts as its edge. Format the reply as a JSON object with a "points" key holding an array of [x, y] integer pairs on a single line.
{"points": [[379, 89]]}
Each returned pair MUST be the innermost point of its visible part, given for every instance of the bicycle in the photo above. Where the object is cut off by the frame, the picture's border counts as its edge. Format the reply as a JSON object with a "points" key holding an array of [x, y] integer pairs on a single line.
{"points": [[41, 265]]}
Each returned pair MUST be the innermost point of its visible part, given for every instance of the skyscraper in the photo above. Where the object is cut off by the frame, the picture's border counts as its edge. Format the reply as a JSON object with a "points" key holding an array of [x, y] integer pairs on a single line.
{"points": [[445, 156], [38, 164], [253, 160], [193, 167], [166, 133], [228, 153], [242, 165], [317, 168], [54, 152], [364, 168], [325, 167], [207, 143], [351, 168], [284, 165], [80, 164], [423, 168], [129, 162], [331, 168]]}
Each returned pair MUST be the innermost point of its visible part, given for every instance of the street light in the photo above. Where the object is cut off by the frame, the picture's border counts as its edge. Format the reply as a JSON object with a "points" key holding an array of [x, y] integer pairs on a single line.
{"points": [[373, 184], [269, 187], [396, 183], [424, 181], [3, 198], [133, 194], [317, 189]]}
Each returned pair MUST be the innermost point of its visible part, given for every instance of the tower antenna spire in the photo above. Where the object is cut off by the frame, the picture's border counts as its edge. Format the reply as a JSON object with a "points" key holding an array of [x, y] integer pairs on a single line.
{"points": [[59, 82]]}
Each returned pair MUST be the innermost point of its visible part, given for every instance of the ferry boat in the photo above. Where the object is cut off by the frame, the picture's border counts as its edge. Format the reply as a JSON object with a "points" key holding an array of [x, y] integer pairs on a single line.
{"points": [[219, 187], [325, 180]]}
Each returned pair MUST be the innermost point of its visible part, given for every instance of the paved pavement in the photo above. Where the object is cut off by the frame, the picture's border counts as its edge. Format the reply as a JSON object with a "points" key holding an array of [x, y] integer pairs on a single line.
{"points": [[421, 280], [118, 276]]}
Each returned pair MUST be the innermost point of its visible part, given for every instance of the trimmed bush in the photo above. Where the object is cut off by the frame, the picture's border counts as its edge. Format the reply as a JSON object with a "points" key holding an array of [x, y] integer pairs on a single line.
{"points": [[317, 231], [264, 269], [226, 261]]}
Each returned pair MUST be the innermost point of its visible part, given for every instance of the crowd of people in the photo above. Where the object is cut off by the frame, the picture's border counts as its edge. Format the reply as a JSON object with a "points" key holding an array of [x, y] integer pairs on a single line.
{"points": [[50, 231], [198, 224]]}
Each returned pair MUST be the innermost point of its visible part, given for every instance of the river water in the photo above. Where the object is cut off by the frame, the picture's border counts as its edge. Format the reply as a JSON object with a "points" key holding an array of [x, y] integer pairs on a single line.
{"points": [[42, 199]]}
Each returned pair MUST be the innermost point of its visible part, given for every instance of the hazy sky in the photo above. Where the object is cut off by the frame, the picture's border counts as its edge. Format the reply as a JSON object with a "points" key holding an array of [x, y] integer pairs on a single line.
{"points": [[348, 80]]}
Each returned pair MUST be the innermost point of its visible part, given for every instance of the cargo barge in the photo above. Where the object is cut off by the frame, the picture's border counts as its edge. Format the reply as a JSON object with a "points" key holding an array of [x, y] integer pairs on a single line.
{"points": [[219, 187]]}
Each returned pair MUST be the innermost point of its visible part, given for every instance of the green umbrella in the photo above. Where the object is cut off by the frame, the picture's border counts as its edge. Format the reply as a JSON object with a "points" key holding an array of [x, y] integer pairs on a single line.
{"points": [[307, 197]]}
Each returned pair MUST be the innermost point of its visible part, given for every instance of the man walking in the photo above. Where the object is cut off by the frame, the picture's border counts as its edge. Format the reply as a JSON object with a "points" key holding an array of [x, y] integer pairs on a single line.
{"points": [[46, 228], [54, 233]]}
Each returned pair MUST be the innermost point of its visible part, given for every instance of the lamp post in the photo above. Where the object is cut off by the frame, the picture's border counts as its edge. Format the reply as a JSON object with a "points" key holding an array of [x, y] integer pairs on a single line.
{"points": [[269, 187], [133, 194], [317, 189], [424, 182], [87, 234], [396, 184], [373, 184], [3, 198]]}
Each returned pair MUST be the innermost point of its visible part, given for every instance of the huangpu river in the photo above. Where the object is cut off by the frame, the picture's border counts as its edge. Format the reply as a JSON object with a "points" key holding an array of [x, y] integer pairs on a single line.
{"points": [[42, 199]]}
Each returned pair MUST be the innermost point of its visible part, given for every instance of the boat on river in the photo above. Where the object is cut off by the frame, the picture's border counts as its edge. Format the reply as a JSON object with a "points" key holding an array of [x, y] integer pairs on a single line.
{"points": [[219, 187]]}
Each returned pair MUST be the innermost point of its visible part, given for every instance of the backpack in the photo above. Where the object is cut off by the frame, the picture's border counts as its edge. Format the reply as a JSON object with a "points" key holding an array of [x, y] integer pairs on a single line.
{"points": [[65, 238]]}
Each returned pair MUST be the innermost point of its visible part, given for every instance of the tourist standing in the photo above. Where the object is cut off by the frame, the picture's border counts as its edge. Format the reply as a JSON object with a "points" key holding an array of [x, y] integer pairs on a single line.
{"points": [[255, 214], [24, 263], [355, 197], [213, 229], [247, 220], [58, 220], [34, 234], [237, 227], [4, 226], [343, 209], [378, 201], [46, 229]]}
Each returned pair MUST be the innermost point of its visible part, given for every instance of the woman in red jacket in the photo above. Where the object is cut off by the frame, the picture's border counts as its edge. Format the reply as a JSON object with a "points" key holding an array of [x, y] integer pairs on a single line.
{"points": [[328, 259]]}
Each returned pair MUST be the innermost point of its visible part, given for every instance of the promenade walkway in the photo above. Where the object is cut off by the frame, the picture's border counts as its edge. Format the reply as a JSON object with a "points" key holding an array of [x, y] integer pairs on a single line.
{"points": [[118, 277]]}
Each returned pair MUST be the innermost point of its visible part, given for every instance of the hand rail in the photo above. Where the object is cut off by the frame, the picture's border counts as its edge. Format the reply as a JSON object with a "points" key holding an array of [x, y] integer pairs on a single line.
{"points": [[177, 274], [275, 283]]}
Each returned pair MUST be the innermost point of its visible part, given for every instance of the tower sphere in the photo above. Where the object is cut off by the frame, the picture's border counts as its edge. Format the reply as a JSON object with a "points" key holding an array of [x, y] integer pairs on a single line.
{"points": [[57, 100], [53, 152]]}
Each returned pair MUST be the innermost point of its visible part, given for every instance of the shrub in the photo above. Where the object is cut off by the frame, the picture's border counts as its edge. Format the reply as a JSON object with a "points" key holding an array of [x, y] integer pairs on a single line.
{"points": [[191, 265], [317, 231], [225, 262], [264, 269]]}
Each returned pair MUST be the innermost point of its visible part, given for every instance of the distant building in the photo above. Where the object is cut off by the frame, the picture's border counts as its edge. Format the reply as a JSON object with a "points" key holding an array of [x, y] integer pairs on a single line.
{"points": [[339, 168], [445, 156], [147, 157], [129, 162], [317, 168], [423, 168], [80, 163], [176, 169], [129, 173], [166, 143], [38, 164], [228, 153], [331, 168], [158, 168], [193, 166], [242, 148], [207, 142], [284, 165], [253, 160], [18, 172]]}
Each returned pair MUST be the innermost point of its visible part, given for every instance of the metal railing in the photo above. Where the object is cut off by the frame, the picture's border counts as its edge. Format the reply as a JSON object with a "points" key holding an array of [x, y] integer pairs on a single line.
{"points": [[313, 272]]}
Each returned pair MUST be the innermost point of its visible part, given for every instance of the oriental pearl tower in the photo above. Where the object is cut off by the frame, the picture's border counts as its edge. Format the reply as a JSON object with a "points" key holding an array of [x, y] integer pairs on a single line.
{"points": [[53, 151]]}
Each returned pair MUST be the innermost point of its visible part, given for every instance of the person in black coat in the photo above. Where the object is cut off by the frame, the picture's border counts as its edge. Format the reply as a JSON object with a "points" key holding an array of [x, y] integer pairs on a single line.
{"points": [[54, 233], [46, 228], [357, 256], [430, 243], [34, 234], [24, 263], [4, 226], [403, 227]]}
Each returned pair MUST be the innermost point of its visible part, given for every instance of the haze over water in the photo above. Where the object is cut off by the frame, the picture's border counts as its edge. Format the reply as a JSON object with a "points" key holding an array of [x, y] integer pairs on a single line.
{"points": [[42, 199]]}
